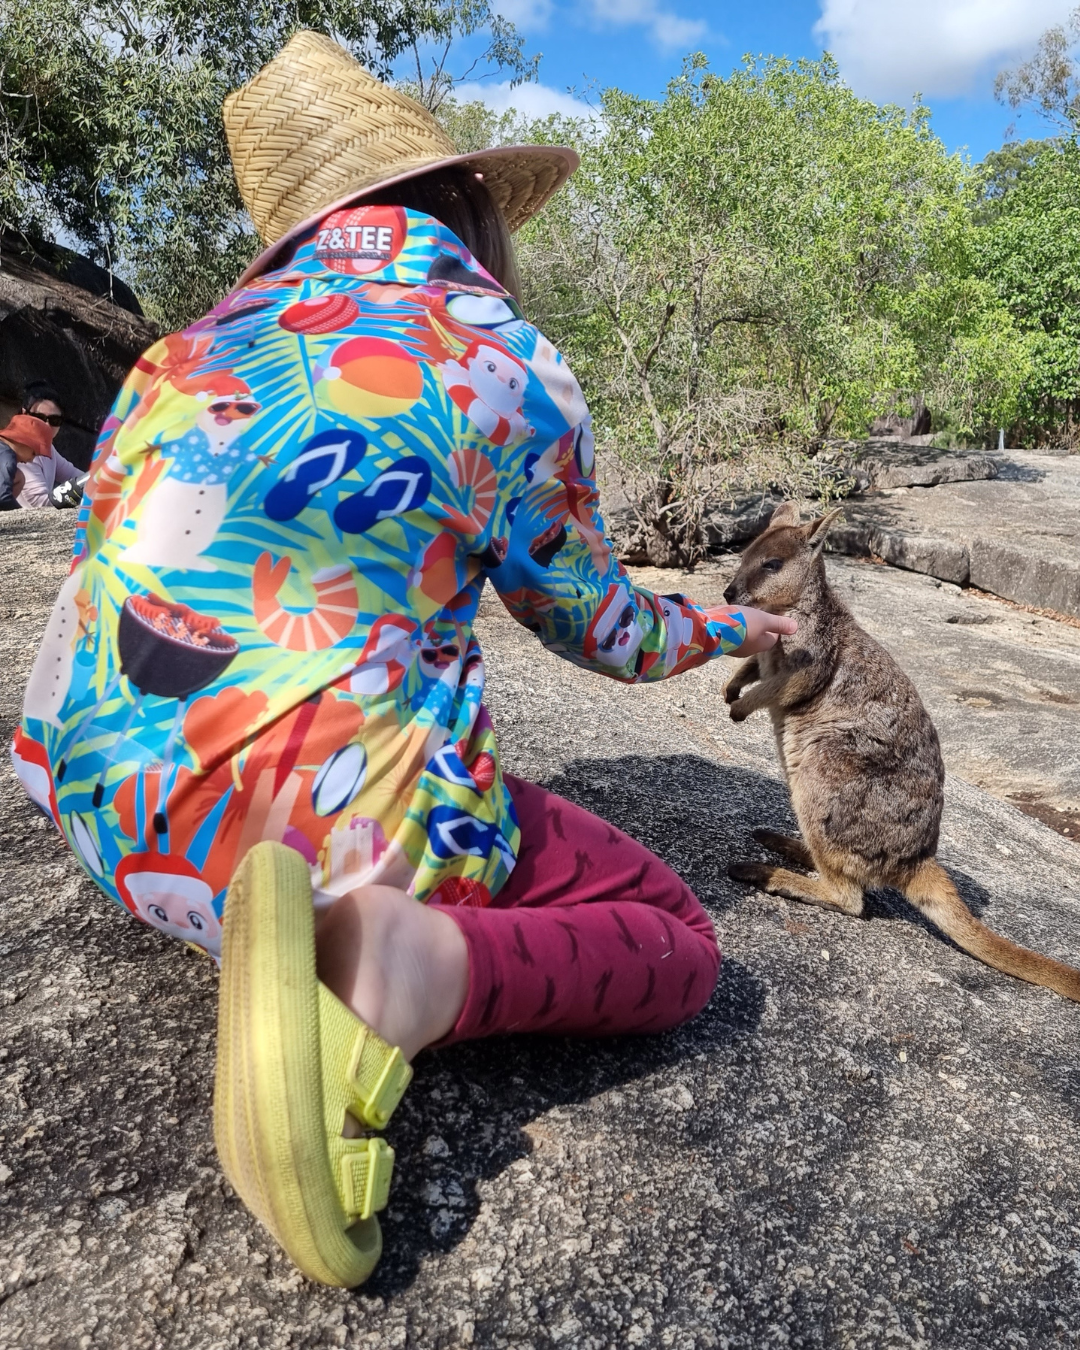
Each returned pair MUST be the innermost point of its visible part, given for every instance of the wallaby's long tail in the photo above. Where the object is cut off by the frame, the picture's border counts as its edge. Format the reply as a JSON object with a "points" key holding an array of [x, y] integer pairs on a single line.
{"points": [[931, 891]]}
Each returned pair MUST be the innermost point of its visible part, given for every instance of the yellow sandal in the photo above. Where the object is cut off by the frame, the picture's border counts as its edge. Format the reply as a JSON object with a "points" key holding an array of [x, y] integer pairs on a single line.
{"points": [[291, 1061]]}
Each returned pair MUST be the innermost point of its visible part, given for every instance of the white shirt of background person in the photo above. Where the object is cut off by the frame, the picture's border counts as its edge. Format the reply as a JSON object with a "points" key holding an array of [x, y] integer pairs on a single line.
{"points": [[40, 476]]}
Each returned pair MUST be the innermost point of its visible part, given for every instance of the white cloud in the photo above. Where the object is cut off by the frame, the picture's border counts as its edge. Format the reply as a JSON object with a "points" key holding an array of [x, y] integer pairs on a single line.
{"points": [[528, 15], [674, 33], [531, 100], [888, 50], [668, 30]]}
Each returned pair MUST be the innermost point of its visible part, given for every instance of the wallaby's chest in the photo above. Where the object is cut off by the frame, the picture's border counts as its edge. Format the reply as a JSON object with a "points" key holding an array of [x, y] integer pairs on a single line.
{"points": [[797, 729]]}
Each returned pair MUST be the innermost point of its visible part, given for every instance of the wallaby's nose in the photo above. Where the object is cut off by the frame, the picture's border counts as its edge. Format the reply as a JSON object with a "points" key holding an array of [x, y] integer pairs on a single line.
{"points": [[729, 594]]}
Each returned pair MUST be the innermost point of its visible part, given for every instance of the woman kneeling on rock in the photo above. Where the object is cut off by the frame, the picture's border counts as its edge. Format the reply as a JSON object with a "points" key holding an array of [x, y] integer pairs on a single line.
{"points": [[261, 677]]}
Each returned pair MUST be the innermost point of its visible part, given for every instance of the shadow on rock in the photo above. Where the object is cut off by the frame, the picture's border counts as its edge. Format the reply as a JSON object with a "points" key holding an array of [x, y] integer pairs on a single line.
{"points": [[693, 813], [465, 1119], [1016, 472]]}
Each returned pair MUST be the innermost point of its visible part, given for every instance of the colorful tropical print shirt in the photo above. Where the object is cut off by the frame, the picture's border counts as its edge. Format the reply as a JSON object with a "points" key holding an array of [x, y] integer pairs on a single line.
{"points": [[268, 627]]}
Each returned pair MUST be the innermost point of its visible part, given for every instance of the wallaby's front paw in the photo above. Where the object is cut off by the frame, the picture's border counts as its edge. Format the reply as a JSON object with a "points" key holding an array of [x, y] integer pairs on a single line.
{"points": [[739, 712], [732, 692], [757, 874]]}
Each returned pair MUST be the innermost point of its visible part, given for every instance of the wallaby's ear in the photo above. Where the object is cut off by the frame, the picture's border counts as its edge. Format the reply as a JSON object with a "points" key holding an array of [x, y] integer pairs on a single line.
{"points": [[818, 529], [785, 514]]}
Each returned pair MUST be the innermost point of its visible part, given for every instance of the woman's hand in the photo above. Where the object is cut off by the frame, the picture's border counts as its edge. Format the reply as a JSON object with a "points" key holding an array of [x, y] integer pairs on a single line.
{"points": [[763, 630]]}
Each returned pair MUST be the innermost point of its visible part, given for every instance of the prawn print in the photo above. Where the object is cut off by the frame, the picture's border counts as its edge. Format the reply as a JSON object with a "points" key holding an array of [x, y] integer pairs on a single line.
{"points": [[326, 623], [268, 631], [109, 505], [471, 472]]}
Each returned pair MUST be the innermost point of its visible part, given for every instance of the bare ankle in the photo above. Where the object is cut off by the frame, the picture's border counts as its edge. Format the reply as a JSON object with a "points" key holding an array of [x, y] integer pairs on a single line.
{"points": [[401, 967]]}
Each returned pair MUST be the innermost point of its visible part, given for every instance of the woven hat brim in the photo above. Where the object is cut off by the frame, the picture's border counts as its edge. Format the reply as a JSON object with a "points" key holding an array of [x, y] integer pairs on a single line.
{"points": [[520, 178]]}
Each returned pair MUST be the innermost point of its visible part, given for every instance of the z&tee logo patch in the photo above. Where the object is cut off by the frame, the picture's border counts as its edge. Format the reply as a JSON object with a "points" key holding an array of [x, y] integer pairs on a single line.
{"points": [[362, 239]]}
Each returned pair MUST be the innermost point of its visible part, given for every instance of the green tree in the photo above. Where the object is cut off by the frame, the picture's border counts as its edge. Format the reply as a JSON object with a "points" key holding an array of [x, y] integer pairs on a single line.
{"points": [[110, 119], [1030, 255], [1050, 80], [998, 175], [754, 265]]}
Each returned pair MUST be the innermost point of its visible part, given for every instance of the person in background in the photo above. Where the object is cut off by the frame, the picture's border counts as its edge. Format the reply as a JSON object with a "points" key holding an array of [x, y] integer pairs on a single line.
{"points": [[22, 442], [45, 469]]}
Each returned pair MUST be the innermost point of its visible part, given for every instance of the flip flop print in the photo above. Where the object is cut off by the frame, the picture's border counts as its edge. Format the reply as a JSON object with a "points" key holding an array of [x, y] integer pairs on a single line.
{"points": [[366, 359], [324, 459], [403, 487]]}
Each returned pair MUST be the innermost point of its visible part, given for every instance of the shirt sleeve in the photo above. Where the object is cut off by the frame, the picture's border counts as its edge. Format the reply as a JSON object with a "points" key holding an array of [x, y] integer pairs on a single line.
{"points": [[561, 580], [65, 470]]}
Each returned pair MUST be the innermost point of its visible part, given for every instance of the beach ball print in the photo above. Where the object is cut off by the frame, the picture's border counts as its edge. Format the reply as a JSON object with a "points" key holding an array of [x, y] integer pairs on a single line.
{"points": [[370, 377], [362, 240], [320, 314]]}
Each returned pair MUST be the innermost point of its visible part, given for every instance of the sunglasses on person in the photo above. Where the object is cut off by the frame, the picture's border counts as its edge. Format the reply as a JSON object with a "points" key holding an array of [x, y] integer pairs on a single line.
{"points": [[53, 419]]}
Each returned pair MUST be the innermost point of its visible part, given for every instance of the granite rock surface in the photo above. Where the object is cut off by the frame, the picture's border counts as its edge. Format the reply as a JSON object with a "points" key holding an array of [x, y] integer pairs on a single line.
{"points": [[866, 1140], [1016, 535]]}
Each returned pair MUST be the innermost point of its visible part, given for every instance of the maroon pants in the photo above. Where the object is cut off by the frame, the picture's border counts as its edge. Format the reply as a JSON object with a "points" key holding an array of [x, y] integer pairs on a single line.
{"points": [[592, 935]]}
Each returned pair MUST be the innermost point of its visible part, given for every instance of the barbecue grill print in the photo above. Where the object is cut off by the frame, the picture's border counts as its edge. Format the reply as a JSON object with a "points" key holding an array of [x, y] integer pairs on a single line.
{"points": [[295, 506], [166, 651]]}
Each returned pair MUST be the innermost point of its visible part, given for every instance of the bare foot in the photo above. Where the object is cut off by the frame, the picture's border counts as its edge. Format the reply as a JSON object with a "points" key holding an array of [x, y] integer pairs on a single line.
{"points": [[401, 966]]}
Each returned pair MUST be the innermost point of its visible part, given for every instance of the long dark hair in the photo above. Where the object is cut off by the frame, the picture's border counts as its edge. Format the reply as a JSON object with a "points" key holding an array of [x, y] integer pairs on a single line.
{"points": [[458, 198]]}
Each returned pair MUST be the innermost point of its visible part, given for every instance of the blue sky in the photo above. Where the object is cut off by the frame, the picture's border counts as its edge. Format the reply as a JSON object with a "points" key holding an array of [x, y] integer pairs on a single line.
{"points": [[887, 49]]}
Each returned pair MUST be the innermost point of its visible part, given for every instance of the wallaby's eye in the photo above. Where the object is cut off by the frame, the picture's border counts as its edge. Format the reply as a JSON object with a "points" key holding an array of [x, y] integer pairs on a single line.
{"points": [[772, 564]]}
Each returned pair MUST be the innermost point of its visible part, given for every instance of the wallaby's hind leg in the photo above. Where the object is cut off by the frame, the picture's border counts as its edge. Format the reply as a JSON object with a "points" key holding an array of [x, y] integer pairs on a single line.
{"points": [[794, 850], [831, 891]]}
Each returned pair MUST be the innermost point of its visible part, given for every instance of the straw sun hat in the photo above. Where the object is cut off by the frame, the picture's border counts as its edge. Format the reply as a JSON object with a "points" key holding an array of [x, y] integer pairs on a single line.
{"points": [[314, 131]]}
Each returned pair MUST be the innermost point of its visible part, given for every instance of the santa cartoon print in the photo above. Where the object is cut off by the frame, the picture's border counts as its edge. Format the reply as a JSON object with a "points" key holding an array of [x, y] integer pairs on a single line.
{"points": [[488, 385], [678, 630], [184, 509], [391, 648], [168, 893], [614, 635]]}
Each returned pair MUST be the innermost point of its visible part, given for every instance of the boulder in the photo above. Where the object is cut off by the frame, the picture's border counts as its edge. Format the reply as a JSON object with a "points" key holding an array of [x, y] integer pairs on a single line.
{"points": [[734, 523], [1014, 533], [877, 465], [881, 464], [65, 331], [935, 555]]}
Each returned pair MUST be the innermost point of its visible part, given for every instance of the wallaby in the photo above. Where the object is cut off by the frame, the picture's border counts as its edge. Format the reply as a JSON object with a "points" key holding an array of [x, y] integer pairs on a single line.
{"points": [[859, 752]]}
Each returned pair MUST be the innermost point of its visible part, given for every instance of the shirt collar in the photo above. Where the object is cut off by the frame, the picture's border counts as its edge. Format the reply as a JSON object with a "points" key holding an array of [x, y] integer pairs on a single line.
{"points": [[385, 244]]}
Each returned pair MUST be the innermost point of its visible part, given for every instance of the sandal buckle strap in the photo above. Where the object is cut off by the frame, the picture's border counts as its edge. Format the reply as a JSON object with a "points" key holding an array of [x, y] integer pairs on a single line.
{"points": [[366, 1169], [379, 1075]]}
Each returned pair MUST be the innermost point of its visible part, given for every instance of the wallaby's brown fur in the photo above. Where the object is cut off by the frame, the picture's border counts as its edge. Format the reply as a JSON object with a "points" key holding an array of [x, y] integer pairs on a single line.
{"points": [[859, 752]]}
